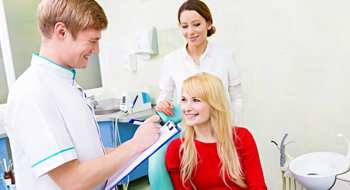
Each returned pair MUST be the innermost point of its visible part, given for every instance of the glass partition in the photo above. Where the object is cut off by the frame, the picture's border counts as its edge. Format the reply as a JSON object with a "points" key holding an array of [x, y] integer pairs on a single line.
{"points": [[3, 81], [25, 39], [90, 77], [23, 32]]}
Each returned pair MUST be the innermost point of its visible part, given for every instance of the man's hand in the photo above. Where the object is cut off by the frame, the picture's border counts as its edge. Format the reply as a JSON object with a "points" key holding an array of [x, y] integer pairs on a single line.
{"points": [[165, 107], [147, 134]]}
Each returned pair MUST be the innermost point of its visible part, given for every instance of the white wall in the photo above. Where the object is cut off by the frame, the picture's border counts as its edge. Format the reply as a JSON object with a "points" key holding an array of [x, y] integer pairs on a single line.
{"points": [[294, 56]]}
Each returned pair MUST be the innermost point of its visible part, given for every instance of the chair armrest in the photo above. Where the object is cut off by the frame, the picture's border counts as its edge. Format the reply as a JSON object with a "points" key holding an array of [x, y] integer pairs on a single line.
{"points": [[158, 175]]}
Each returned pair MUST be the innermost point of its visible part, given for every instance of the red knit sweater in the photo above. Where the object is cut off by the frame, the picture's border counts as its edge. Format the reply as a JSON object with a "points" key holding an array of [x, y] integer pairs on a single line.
{"points": [[207, 174]]}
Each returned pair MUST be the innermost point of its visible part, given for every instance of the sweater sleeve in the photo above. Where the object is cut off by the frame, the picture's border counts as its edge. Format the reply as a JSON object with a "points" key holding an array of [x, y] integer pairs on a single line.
{"points": [[234, 75], [165, 95], [172, 161], [251, 161], [166, 82], [236, 96]]}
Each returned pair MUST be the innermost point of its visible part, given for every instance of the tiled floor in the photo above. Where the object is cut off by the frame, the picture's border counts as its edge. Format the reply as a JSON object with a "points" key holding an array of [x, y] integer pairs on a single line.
{"points": [[138, 184]]}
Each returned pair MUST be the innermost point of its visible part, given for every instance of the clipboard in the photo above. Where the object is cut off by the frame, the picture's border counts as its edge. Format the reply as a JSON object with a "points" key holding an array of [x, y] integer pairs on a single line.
{"points": [[168, 131]]}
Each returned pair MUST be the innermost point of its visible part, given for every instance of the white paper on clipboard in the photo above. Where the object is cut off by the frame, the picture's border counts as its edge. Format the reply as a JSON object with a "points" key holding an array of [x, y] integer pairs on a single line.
{"points": [[167, 132]]}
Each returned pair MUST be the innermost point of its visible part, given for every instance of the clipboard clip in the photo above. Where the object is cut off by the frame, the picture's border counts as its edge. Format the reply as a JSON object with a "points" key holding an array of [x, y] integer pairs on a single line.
{"points": [[170, 124]]}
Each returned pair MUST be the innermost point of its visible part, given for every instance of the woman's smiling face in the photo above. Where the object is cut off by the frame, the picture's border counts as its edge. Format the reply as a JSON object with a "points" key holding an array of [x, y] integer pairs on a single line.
{"points": [[194, 27], [196, 111]]}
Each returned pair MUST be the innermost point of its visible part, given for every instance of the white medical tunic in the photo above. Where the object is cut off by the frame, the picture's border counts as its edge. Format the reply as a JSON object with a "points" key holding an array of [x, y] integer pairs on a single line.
{"points": [[179, 65], [49, 123]]}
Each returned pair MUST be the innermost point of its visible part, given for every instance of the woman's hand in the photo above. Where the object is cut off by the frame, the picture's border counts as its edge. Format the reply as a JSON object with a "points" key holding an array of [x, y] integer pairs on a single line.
{"points": [[166, 107]]}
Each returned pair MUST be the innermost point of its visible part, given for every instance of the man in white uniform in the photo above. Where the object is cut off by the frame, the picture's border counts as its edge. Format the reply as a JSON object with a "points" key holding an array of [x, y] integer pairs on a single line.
{"points": [[54, 137]]}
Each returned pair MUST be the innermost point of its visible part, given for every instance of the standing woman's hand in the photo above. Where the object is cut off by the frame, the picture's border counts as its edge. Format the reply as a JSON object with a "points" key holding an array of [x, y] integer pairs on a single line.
{"points": [[166, 107]]}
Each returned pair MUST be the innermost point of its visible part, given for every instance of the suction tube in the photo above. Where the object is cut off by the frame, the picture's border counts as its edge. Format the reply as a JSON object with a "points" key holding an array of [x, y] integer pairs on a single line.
{"points": [[283, 155], [347, 141]]}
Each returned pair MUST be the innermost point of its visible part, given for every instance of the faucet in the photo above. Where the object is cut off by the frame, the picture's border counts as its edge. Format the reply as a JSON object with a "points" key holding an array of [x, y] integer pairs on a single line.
{"points": [[282, 149], [348, 143], [93, 102]]}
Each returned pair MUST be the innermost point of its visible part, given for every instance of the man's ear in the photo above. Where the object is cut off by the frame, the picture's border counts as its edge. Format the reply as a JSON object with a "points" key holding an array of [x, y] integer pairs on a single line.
{"points": [[60, 30]]}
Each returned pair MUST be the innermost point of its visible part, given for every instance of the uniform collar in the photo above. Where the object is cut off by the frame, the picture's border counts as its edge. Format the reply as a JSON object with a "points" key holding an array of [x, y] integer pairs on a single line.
{"points": [[208, 51], [61, 72]]}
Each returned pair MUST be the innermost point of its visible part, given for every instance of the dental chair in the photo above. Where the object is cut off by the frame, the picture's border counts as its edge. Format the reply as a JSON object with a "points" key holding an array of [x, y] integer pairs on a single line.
{"points": [[158, 175]]}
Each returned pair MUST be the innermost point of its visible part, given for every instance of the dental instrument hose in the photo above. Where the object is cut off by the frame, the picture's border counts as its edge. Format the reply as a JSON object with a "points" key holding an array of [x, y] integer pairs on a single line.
{"points": [[117, 136]]}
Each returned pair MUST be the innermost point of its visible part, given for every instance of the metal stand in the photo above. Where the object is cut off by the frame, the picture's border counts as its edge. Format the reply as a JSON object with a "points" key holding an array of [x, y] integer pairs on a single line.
{"points": [[284, 181]]}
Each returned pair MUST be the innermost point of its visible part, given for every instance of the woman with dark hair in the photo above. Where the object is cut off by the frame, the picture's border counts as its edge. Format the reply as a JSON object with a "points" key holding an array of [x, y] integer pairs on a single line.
{"points": [[199, 55]]}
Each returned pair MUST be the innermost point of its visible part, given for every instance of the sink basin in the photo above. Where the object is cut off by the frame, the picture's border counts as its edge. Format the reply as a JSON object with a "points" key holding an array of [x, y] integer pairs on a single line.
{"points": [[106, 111], [318, 170]]}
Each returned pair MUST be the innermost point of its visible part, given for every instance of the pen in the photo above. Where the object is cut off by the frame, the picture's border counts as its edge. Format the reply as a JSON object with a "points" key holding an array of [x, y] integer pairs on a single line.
{"points": [[133, 104], [136, 122]]}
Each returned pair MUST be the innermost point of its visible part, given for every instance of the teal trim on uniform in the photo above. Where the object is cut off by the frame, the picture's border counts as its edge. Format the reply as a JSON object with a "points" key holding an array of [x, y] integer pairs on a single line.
{"points": [[73, 70], [52, 156]]}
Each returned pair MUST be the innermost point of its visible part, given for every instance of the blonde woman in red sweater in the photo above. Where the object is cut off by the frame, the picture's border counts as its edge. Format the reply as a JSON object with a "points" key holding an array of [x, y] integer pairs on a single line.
{"points": [[213, 154]]}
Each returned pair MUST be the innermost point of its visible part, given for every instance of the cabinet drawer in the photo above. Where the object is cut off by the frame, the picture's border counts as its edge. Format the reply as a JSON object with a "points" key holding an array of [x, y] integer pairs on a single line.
{"points": [[107, 133], [3, 145], [2, 186]]}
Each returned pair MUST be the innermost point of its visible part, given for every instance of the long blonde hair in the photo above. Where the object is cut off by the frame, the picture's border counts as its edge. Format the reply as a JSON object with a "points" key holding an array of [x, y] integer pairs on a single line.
{"points": [[210, 89]]}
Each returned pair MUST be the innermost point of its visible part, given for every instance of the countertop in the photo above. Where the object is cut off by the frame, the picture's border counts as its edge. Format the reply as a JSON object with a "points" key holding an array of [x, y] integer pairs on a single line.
{"points": [[126, 117], [99, 118], [115, 103]]}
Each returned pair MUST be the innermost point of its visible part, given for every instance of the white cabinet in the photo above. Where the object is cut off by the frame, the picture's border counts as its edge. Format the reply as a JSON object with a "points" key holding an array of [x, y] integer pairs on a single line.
{"points": [[341, 185], [342, 182]]}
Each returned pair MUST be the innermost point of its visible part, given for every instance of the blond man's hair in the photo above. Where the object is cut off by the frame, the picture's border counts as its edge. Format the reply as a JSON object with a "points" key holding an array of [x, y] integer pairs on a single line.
{"points": [[210, 89], [77, 15]]}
